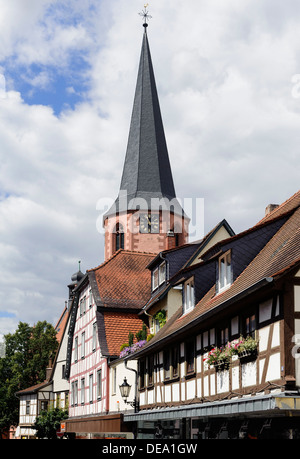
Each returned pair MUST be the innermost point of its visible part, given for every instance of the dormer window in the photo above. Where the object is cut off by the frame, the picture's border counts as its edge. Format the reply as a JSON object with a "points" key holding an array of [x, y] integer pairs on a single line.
{"points": [[162, 273], [225, 273], [188, 296], [159, 275]]}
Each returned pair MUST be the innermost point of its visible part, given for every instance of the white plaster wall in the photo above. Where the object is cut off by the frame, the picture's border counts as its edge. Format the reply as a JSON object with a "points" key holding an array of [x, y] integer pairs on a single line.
{"points": [[273, 371], [297, 297], [116, 402]]}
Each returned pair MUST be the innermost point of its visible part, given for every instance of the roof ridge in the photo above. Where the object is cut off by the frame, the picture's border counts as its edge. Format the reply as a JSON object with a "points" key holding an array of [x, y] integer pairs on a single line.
{"points": [[280, 206], [120, 251]]}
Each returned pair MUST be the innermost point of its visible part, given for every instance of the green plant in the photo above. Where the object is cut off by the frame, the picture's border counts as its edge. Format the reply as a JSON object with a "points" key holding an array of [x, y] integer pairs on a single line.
{"points": [[130, 339], [142, 334], [123, 346], [161, 316]]}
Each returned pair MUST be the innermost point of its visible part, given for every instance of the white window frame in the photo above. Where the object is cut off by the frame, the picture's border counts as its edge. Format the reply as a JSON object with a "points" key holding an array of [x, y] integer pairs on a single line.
{"points": [[162, 272], [159, 275], [94, 336], [82, 391], [155, 277], [83, 345], [99, 384], [189, 296], [76, 349], [91, 386], [225, 275], [75, 392]]}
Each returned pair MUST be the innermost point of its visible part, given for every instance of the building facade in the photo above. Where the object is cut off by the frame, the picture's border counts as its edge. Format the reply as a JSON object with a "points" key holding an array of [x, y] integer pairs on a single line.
{"points": [[194, 379]]}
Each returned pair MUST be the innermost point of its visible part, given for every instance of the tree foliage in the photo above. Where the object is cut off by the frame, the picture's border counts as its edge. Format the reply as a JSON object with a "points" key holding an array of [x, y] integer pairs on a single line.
{"points": [[48, 422], [27, 355]]}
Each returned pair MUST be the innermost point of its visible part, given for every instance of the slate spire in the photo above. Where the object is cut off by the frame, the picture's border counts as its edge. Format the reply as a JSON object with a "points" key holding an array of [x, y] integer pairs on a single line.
{"points": [[147, 171]]}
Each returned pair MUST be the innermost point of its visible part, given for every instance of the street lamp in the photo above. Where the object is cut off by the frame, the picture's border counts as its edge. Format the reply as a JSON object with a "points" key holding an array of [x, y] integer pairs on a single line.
{"points": [[125, 390]]}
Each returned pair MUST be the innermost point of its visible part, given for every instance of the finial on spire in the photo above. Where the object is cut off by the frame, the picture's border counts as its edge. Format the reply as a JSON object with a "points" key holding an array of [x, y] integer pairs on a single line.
{"points": [[145, 14], [79, 265]]}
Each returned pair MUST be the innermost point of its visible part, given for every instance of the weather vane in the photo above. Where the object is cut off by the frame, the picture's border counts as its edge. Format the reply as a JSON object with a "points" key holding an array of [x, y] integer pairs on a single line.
{"points": [[145, 14]]}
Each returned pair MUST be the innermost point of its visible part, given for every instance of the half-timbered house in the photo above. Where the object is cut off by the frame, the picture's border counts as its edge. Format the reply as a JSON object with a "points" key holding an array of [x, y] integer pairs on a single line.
{"points": [[104, 312], [243, 295]]}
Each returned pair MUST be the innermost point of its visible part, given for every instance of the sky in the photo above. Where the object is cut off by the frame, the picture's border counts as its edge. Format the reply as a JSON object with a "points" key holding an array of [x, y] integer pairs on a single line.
{"points": [[228, 78]]}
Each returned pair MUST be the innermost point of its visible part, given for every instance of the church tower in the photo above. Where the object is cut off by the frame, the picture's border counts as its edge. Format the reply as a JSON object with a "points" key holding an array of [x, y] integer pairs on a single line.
{"points": [[146, 215]]}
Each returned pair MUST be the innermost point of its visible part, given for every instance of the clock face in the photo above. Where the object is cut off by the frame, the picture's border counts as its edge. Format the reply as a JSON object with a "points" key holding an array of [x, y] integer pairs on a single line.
{"points": [[149, 223]]}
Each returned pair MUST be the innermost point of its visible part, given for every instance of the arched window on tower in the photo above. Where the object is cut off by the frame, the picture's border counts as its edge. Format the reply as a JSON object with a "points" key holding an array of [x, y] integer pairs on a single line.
{"points": [[119, 237], [178, 234]]}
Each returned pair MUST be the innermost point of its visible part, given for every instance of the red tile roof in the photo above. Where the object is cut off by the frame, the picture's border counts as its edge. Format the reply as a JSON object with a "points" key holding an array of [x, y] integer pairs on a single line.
{"points": [[61, 323], [123, 281], [117, 327], [286, 206], [124, 285]]}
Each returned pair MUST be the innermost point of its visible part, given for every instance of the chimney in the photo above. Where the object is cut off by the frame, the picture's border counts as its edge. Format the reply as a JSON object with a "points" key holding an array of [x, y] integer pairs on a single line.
{"points": [[270, 208]]}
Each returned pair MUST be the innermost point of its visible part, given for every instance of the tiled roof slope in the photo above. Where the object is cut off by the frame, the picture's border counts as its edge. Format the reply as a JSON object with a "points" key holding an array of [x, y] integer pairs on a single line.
{"points": [[61, 323], [117, 328], [121, 286], [123, 281], [281, 253], [289, 204]]}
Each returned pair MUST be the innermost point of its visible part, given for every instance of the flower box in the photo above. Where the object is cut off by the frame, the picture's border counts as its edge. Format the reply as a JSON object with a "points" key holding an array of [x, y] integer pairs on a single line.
{"points": [[247, 355]]}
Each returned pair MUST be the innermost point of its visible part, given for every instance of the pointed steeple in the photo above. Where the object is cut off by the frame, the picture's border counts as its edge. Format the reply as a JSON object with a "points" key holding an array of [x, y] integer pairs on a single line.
{"points": [[147, 171], [147, 185]]}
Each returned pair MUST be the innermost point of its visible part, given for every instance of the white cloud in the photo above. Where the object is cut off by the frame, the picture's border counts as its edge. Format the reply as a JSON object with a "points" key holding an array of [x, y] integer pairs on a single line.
{"points": [[224, 74]]}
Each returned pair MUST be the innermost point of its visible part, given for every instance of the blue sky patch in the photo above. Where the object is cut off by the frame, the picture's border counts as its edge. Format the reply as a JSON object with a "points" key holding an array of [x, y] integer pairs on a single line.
{"points": [[45, 85]]}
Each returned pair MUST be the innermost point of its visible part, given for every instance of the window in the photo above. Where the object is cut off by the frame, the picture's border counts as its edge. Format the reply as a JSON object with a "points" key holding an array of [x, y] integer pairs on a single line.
{"points": [[150, 370], [119, 237], [189, 296], [171, 363], [82, 306], [90, 298], [28, 407], [141, 374], [76, 349], [82, 391], [99, 384], [162, 273], [225, 276], [190, 357], [72, 393], [154, 325], [224, 336], [155, 279], [159, 275], [44, 405], [250, 326], [175, 362], [83, 345], [94, 335], [91, 388], [167, 366], [76, 393]]}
